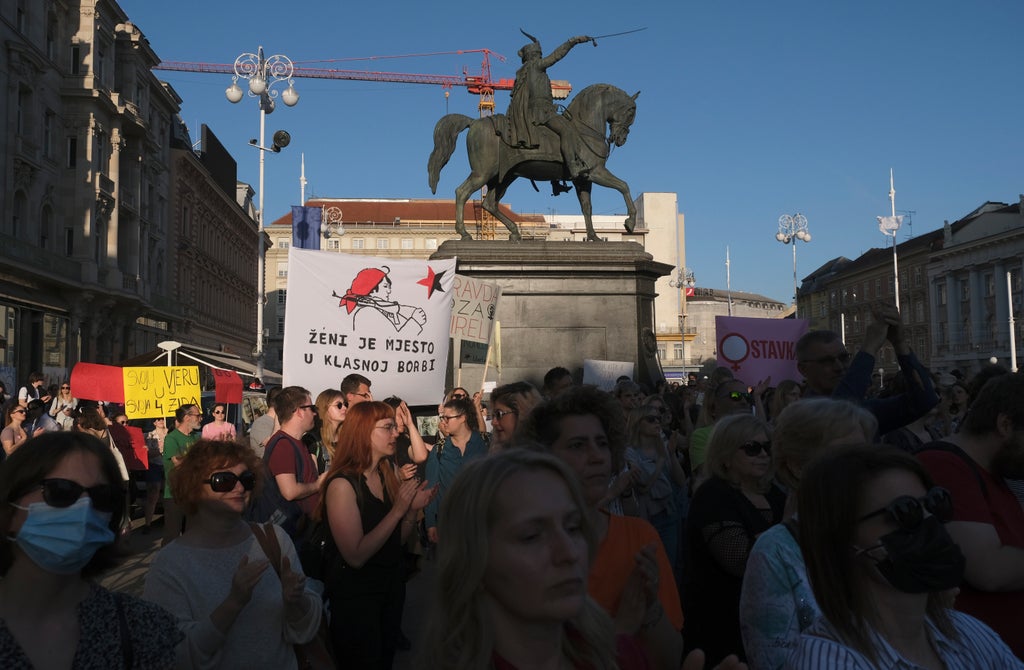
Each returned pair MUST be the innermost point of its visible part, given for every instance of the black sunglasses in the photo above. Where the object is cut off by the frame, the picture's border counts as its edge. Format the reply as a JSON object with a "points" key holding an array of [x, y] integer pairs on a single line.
{"points": [[499, 414], [340, 405], [908, 511], [753, 447], [64, 493], [222, 482]]}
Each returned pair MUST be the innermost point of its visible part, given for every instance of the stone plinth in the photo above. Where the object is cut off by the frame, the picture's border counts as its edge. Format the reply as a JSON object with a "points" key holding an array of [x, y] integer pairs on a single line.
{"points": [[563, 302]]}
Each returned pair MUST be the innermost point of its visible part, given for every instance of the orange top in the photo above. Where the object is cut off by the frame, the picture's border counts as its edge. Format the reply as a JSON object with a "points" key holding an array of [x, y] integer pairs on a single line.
{"points": [[616, 558]]}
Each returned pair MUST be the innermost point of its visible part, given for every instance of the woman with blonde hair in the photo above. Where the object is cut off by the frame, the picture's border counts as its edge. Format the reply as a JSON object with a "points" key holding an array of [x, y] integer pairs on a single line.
{"points": [[777, 603], [62, 408], [512, 573], [737, 503], [332, 408]]}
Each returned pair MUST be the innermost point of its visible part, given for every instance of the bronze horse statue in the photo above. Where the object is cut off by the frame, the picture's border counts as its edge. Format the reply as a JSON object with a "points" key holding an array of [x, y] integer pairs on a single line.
{"points": [[496, 164]]}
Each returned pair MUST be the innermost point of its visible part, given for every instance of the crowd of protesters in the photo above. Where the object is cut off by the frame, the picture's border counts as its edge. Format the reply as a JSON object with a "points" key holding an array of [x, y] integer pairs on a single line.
{"points": [[840, 520]]}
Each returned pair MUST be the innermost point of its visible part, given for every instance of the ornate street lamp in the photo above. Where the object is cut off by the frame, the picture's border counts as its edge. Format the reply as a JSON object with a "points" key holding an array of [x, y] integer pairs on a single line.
{"points": [[262, 74], [791, 229], [683, 280]]}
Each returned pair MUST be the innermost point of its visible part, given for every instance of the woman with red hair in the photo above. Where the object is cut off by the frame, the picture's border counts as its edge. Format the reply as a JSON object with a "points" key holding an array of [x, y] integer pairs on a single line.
{"points": [[370, 514]]}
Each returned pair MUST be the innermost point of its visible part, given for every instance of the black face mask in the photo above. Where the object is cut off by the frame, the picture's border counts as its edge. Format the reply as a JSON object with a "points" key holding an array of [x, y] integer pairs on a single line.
{"points": [[922, 560]]}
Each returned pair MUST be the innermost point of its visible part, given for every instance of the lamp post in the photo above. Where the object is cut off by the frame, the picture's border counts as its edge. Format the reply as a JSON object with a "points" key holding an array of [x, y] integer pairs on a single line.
{"points": [[263, 73], [683, 280], [791, 229], [889, 226]]}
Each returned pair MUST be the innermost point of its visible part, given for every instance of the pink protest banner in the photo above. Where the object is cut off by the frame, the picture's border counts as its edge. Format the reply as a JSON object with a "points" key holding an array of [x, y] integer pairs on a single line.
{"points": [[755, 349], [228, 386], [91, 381]]}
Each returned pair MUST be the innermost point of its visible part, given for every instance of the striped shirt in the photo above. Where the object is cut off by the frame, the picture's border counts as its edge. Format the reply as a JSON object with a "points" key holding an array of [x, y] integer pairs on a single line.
{"points": [[975, 647]]}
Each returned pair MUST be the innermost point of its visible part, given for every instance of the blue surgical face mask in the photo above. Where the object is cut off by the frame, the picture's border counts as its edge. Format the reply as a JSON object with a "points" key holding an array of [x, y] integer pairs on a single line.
{"points": [[63, 540]]}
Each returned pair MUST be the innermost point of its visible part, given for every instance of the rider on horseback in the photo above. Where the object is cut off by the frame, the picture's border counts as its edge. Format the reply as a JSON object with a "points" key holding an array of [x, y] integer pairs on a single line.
{"points": [[533, 105]]}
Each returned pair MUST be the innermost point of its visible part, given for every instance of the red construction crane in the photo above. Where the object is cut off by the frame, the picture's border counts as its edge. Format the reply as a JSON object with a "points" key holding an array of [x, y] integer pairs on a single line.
{"points": [[481, 84]]}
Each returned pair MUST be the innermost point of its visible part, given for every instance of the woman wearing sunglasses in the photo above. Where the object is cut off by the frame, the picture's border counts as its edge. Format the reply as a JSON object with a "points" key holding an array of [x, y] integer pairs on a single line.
{"points": [[369, 514], [219, 428], [237, 607], [13, 435], [462, 442], [882, 566], [777, 603], [510, 404], [62, 409], [657, 475], [60, 510], [737, 503], [331, 407]]}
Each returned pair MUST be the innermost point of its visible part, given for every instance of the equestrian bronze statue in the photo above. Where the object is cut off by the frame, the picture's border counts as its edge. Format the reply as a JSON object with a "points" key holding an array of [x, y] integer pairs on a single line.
{"points": [[536, 142]]}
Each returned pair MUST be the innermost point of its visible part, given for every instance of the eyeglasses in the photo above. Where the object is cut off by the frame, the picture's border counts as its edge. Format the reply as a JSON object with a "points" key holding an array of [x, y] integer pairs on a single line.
{"points": [[65, 388], [908, 511], [388, 427], [652, 418], [64, 493], [17, 411], [309, 407], [736, 396], [222, 482], [217, 411], [442, 417], [843, 358], [753, 448], [500, 414], [367, 395], [125, 422], [340, 405], [459, 396]]}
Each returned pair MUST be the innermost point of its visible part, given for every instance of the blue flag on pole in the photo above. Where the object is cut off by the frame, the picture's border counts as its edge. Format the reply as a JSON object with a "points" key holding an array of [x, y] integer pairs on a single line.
{"points": [[306, 227]]}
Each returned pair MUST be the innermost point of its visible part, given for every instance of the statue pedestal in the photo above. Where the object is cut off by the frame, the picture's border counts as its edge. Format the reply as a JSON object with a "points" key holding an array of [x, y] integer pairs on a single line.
{"points": [[563, 302]]}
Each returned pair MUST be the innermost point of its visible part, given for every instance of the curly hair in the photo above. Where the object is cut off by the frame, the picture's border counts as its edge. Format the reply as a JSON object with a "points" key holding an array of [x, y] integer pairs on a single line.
{"points": [[33, 462], [461, 636], [188, 478], [544, 424]]}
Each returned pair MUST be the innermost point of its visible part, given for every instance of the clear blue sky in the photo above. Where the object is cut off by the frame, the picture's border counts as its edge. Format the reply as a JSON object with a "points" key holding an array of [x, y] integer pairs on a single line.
{"points": [[748, 109]]}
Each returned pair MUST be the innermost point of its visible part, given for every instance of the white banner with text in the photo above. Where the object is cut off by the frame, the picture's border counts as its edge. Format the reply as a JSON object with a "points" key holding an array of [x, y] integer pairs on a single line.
{"points": [[384, 318]]}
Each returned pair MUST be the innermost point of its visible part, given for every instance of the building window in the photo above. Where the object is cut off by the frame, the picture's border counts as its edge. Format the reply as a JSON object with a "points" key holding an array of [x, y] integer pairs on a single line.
{"points": [[406, 243], [965, 290], [677, 350], [284, 244], [358, 243], [919, 311], [45, 227], [282, 296], [72, 151], [76, 59], [990, 284], [1015, 279], [51, 37], [69, 242], [892, 286], [940, 337], [940, 294], [280, 325], [917, 277], [662, 352], [382, 243], [48, 123], [431, 243], [334, 244], [878, 288], [282, 270]]}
